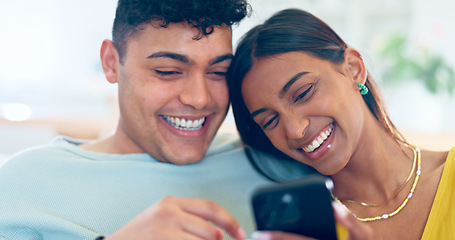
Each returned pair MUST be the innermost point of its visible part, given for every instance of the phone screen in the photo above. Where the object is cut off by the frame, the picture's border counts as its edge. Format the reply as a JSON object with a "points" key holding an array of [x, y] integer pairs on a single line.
{"points": [[302, 207]]}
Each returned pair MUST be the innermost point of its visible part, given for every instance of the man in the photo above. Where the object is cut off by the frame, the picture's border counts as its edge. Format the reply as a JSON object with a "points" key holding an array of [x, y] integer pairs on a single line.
{"points": [[152, 179]]}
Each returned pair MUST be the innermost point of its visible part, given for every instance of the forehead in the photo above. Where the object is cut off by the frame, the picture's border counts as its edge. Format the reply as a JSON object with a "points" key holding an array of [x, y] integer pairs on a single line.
{"points": [[180, 38], [276, 68], [284, 66]]}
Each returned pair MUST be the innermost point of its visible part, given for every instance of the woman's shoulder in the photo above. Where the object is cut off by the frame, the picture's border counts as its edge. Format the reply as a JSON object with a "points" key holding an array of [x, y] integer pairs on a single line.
{"points": [[439, 222], [451, 154], [448, 161], [436, 160]]}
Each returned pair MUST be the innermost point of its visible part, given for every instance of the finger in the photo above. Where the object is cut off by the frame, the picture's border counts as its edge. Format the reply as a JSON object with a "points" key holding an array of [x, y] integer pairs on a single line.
{"points": [[213, 212], [276, 235], [200, 227], [357, 230], [189, 236]]}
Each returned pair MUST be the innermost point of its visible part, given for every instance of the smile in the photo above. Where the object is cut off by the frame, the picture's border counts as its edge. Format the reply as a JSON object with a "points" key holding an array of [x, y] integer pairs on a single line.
{"points": [[319, 140], [185, 124]]}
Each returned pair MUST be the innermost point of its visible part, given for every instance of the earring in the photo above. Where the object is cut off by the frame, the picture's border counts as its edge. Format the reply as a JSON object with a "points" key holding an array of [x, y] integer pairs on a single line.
{"points": [[363, 89]]}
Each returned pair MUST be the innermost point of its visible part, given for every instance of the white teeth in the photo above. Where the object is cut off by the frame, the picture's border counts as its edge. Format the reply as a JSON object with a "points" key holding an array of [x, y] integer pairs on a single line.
{"points": [[185, 124], [323, 135], [310, 148], [318, 140]]}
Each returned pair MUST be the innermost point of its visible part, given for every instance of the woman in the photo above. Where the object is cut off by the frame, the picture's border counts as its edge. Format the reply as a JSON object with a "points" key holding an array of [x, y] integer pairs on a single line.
{"points": [[295, 85]]}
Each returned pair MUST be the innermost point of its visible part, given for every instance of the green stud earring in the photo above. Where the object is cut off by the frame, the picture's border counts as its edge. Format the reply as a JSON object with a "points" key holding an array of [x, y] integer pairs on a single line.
{"points": [[363, 89]]}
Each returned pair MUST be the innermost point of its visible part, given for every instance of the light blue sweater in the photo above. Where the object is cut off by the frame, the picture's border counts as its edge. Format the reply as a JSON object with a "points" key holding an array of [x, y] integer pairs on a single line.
{"points": [[61, 191]]}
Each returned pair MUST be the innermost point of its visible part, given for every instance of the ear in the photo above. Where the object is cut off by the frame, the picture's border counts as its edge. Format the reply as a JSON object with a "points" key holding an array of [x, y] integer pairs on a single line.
{"points": [[109, 60], [356, 66]]}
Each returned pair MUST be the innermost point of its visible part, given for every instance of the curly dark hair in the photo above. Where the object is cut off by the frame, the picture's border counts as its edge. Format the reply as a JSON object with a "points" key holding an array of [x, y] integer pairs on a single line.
{"points": [[202, 14]]}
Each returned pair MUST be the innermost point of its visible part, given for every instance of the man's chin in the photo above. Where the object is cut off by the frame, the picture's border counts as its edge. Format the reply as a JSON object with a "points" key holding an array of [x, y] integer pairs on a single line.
{"points": [[183, 150], [184, 160], [182, 155]]}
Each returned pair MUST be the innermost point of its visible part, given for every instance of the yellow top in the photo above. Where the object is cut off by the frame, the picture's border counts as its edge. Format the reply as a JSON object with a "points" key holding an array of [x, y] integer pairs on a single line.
{"points": [[342, 232], [441, 221]]}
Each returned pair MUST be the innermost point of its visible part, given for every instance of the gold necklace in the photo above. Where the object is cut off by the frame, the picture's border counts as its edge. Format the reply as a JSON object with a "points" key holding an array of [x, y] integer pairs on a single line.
{"points": [[387, 215], [394, 195]]}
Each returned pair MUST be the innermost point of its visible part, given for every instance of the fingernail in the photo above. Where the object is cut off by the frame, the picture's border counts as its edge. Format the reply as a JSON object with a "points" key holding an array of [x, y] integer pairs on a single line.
{"points": [[241, 233], [261, 236], [340, 210]]}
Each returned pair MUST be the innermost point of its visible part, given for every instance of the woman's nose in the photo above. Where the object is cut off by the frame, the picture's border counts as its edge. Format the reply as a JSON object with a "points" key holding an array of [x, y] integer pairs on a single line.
{"points": [[295, 127]]}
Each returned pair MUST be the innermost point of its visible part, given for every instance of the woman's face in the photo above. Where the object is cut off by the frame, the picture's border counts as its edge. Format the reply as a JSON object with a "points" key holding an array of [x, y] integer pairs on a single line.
{"points": [[309, 108]]}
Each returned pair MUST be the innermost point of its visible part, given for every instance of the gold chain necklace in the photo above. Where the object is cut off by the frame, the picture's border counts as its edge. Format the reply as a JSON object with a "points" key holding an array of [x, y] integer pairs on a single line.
{"points": [[387, 215], [394, 195]]}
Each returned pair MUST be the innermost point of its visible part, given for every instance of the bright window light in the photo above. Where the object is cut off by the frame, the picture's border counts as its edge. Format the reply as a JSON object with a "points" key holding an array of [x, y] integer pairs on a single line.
{"points": [[16, 111]]}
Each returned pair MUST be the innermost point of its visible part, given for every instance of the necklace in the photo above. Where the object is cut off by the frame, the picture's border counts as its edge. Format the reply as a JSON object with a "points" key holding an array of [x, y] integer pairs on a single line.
{"points": [[403, 204], [394, 195]]}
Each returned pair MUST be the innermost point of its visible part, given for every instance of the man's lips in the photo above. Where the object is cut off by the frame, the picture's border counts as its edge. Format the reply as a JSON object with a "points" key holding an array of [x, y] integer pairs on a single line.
{"points": [[185, 124]]}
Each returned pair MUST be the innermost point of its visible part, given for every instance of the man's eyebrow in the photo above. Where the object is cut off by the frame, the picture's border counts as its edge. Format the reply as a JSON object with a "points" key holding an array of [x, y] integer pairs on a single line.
{"points": [[221, 58], [175, 56], [290, 82]]}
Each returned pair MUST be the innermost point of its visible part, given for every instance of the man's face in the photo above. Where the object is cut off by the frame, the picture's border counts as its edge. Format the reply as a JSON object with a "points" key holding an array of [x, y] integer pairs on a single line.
{"points": [[172, 91]]}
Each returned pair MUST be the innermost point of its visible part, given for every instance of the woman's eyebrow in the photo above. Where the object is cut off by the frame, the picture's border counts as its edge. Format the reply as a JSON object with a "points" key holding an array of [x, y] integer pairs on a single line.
{"points": [[290, 82], [282, 92], [257, 112]]}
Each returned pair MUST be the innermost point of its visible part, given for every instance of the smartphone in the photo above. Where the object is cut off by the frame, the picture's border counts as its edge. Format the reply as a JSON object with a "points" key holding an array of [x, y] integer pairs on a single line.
{"points": [[302, 207]]}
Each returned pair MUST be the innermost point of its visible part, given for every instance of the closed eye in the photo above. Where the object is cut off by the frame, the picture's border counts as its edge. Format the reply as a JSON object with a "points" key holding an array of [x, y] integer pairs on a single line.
{"points": [[273, 121], [220, 73], [217, 75], [304, 95], [166, 73]]}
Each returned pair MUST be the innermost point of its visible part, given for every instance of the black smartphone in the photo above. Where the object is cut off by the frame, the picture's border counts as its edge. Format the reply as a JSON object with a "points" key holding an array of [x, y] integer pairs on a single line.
{"points": [[302, 207]]}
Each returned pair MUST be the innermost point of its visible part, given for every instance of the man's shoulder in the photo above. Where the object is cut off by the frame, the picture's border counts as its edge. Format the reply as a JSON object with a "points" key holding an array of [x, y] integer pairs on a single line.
{"points": [[3, 158], [57, 148]]}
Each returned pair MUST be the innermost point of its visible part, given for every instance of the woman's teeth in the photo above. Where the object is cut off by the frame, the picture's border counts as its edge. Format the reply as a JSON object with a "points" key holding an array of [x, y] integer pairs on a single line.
{"points": [[185, 124], [319, 140]]}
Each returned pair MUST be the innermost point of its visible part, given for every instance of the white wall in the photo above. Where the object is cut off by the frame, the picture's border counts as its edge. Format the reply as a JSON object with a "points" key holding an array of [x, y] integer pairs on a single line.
{"points": [[365, 24], [50, 49], [50, 52]]}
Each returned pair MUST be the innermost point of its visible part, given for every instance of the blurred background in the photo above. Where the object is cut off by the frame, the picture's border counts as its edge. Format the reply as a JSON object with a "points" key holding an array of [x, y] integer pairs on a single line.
{"points": [[51, 81]]}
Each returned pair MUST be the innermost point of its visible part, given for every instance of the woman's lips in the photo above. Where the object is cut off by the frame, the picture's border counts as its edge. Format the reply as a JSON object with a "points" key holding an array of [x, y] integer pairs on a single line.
{"points": [[320, 144], [319, 140]]}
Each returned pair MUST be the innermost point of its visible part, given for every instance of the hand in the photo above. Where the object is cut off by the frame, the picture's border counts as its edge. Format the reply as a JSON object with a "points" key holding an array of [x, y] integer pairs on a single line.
{"points": [[357, 230], [181, 218], [276, 235]]}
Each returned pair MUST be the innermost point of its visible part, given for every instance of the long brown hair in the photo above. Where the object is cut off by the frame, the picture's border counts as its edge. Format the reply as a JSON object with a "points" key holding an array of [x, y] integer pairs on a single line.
{"points": [[286, 31]]}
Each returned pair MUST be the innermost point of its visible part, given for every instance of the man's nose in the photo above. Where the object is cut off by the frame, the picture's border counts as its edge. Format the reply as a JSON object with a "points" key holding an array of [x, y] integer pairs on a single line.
{"points": [[196, 93]]}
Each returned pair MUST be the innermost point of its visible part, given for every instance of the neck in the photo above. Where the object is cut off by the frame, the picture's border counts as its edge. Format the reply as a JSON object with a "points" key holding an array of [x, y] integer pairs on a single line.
{"points": [[117, 143], [377, 168]]}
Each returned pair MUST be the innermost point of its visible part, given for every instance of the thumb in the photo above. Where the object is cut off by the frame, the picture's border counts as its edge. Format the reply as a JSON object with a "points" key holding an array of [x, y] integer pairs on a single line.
{"points": [[357, 230]]}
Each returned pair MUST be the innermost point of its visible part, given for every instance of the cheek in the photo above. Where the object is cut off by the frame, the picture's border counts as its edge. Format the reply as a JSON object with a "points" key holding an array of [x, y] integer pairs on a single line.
{"points": [[220, 93], [144, 101], [278, 140]]}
